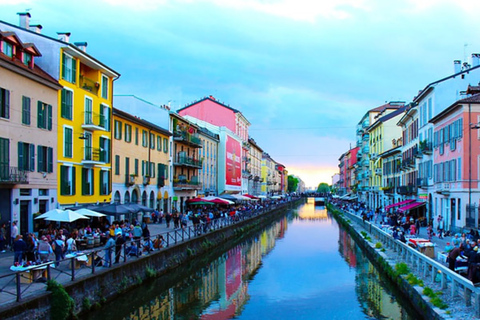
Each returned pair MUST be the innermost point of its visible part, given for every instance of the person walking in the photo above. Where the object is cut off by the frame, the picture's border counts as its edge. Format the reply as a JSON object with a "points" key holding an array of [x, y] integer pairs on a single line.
{"points": [[440, 227], [19, 247], [13, 232], [108, 250], [168, 218], [417, 226], [3, 237], [58, 249], [118, 246]]}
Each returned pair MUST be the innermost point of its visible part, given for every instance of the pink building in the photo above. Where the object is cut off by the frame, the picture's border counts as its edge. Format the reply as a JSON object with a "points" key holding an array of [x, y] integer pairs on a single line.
{"points": [[456, 160]]}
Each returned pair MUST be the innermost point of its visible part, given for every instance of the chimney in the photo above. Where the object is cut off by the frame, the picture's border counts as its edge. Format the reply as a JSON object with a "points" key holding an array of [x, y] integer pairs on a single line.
{"points": [[36, 28], [457, 66], [211, 97], [24, 19], [64, 36], [475, 59], [81, 45]]}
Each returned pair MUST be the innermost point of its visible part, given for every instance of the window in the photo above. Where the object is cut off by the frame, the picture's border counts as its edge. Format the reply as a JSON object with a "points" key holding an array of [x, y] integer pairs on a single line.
{"points": [[67, 104], [117, 165], [7, 49], [136, 167], [27, 59], [104, 87], [118, 130], [88, 111], [87, 181], [26, 156], [44, 116], [152, 169], [159, 143], [127, 166], [4, 103], [104, 182], [136, 136], [165, 145], [104, 149], [67, 142], [144, 138], [105, 117], [152, 141], [4, 158], [26, 110], [128, 133], [459, 169], [67, 180], [69, 68], [44, 159]]}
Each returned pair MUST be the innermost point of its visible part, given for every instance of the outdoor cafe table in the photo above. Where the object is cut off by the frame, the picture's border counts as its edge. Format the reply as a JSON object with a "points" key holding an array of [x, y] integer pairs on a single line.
{"points": [[30, 273]]}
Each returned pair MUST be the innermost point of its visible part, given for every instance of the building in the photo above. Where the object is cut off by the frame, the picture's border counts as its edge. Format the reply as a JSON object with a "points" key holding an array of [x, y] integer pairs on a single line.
{"points": [[83, 121], [209, 157], [268, 175], [255, 183], [456, 164], [391, 173], [342, 181], [186, 161], [219, 114], [351, 164], [140, 162], [28, 135]]}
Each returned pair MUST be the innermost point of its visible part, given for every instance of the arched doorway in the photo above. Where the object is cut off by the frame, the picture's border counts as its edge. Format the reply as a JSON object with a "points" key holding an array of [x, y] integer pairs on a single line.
{"points": [[144, 198], [127, 197], [135, 196], [116, 197], [152, 200]]}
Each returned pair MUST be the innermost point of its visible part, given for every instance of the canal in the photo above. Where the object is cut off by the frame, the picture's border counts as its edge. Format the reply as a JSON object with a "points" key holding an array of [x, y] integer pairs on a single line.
{"points": [[303, 266]]}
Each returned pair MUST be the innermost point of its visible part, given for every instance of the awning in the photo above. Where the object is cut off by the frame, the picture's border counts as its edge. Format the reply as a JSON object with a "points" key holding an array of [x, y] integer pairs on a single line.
{"points": [[401, 203], [410, 206]]}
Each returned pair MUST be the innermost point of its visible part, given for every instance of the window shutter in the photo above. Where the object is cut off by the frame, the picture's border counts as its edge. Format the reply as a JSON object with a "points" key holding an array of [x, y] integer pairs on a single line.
{"points": [[7, 104], [74, 181], [62, 180], [32, 157], [84, 181], [63, 108], [50, 159], [74, 70], [20, 156], [101, 182], [64, 67], [143, 168], [92, 183], [39, 158], [49, 117], [461, 127], [39, 115]]}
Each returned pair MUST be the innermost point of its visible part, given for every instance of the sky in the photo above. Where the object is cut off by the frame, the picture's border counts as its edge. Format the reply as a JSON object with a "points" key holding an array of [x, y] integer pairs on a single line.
{"points": [[302, 72]]}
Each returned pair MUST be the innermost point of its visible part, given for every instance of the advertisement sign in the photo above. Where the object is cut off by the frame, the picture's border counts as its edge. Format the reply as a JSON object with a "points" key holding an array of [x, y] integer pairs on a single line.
{"points": [[233, 168]]}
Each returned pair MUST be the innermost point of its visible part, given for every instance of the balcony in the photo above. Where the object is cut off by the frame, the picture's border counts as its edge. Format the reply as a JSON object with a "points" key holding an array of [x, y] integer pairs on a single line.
{"points": [[93, 121], [246, 174], [130, 179], [93, 156], [360, 131], [378, 171], [365, 123], [417, 153], [185, 161], [422, 182], [426, 147], [366, 149], [187, 138], [246, 145], [89, 85], [183, 184], [366, 137], [13, 175], [359, 143], [388, 190], [366, 162], [407, 190]]}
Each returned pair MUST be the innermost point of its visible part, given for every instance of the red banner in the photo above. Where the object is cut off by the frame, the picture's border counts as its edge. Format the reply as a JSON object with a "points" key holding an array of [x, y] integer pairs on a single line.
{"points": [[233, 162]]}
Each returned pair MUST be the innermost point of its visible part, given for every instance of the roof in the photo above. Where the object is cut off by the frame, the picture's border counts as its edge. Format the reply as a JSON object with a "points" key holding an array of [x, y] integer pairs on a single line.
{"points": [[384, 107], [474, 99], [253, 142], [473, 89], [208, 133], [429, 87], [390, 152], [211, 98], [387, 117], [140, 121], [410, 111]]}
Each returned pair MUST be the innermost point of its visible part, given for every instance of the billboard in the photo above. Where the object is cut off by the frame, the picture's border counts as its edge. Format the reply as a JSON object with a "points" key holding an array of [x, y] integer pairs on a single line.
{"points": [[233, 165]]}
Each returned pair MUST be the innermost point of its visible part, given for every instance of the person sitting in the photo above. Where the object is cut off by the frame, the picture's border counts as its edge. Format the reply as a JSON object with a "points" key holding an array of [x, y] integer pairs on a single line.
{"points": [[159, 242], [148, 245], [453, 255], [133, 250]]}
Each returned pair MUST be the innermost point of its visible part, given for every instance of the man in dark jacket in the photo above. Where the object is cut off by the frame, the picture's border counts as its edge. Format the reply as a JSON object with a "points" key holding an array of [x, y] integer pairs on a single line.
{"points": [[118, 246], [453, 255]]}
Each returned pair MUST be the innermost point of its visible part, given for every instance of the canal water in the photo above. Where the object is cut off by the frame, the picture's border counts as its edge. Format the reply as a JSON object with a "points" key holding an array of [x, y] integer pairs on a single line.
{"points": [[303, 266]]}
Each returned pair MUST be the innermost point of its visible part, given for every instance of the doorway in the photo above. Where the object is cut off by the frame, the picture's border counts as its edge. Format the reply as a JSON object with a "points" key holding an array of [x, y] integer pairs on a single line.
{"points": [[24, 216]]}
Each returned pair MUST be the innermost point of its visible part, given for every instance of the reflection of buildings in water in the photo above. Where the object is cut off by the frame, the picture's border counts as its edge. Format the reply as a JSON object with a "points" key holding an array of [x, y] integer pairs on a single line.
{"points": [[310, 212], [346, 247], [158, 308]]}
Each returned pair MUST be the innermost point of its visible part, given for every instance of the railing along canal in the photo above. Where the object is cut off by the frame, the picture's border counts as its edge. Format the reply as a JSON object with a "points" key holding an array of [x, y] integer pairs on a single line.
{"points": [[427, 268], [29, 280]]}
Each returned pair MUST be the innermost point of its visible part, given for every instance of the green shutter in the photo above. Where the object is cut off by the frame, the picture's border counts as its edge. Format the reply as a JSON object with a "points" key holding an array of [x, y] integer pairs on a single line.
{"points": [[64, 104], [117, 165], [40, 120], [7, 104], [50, 159], [136, 167], [74, 70], [166, 172], [49, 127], [101, 182], [127, 166], [74, 181], [39, 158], [20, 156], [32, 157], [63, 179], [63, 65], [84, 181], [143, 168]]}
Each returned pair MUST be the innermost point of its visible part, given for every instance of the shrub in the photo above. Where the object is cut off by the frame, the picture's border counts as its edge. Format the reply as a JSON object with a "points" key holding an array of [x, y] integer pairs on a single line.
{"points": [[378, 245], [150, 272], [62, 304], [86, 303], [401, 268], [363, 233], [439, 303], [429, 292]]}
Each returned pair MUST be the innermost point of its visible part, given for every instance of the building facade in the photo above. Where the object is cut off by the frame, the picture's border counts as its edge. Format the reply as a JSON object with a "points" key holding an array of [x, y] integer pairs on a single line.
{"points": [[209, 156]]}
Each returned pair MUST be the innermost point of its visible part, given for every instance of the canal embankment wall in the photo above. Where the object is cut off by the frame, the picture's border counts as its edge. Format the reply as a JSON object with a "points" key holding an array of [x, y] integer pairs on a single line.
{"points": [[386, 265], [99, 288]]}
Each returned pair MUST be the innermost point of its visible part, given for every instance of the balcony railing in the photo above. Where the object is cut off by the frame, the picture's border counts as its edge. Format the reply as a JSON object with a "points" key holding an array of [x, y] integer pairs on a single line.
{"points": [[130, 179], [407, 190], [188, 161], [12, 175], [89, 84], [187, 138], [93, 155], [183, 183], [93, 121], [426, 147], [422, 182]]}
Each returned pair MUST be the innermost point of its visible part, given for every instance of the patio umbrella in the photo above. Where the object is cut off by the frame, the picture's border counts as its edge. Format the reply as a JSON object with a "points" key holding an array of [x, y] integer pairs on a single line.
{"points": [[49, 213], [250, 196], [218, 200], [194, 200], [199, 203], [66, 216], [138, 207], [89, 213], [240, 197], [114, 209], [228, 197]]}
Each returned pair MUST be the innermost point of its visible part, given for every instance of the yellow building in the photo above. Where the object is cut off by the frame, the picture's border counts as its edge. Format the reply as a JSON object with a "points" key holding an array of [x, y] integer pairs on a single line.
{"points": [[140, 170], [84, 109]]}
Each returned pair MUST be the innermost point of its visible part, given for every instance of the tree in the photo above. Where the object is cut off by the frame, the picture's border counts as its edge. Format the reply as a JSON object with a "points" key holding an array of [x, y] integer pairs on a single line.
{"points": [[323, 188], [292, 183]]}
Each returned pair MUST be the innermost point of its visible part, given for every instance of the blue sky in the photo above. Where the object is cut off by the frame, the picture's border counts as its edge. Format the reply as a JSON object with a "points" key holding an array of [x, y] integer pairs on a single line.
{"points": [[302, 72]]}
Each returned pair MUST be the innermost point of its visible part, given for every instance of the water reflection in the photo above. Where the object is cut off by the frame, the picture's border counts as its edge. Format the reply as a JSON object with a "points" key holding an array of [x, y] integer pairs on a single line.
{"points": [[291, 270]]}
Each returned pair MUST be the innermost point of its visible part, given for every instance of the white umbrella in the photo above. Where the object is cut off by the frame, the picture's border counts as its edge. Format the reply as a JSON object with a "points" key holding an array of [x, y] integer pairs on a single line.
{"points": [[240, 197], [89, 213], [215, 198], [49, 213], [66, 216]]}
